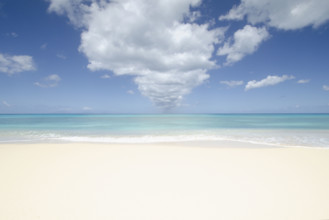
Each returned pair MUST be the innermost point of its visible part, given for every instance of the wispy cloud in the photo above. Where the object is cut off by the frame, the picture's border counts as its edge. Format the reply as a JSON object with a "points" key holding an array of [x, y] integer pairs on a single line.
{"points": [[49, 82], [5, 103], [325, 88], [287, 15], [130, 92], [303, 81], [15, 64], [193, 16], [44, 46], [61, 56], [87, 108], [105, 76], [12, 34], [268, 81], [232, 83]]}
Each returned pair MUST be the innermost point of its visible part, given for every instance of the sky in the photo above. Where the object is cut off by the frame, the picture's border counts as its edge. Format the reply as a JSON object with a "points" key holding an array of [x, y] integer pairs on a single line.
{"points": [[164, 56]]}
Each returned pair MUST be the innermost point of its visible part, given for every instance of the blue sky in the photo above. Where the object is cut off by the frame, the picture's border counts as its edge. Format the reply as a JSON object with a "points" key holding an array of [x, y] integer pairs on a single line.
{"points": [[177, 56]]}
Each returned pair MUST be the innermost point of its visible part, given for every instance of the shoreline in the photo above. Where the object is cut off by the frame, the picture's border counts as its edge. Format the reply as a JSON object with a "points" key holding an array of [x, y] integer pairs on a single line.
{"points": [[198, 143], [275, 138], [162, 181]]}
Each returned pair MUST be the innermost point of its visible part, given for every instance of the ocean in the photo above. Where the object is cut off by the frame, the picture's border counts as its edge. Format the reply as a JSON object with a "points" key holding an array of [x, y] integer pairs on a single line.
{"points": [[306, 130]]}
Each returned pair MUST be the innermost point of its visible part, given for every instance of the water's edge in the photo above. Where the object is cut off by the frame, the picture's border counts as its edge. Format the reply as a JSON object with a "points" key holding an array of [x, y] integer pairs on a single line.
{"points": [[308, 130]]}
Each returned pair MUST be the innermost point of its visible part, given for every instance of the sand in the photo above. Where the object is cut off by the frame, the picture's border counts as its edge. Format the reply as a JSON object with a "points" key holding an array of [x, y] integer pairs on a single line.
{"points": [[162, 181]]}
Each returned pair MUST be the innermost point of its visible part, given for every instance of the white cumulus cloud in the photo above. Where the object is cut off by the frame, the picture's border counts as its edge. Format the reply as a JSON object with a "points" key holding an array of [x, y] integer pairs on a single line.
{"points": [[49, 81], [281, 14], [232, 83], [245, 41], [325, 88], [157, 42], [15, 64], [74, 9], [268, 81]]}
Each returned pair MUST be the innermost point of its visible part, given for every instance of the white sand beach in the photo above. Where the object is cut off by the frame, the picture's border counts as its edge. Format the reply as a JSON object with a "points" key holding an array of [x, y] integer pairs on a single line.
{"points": [[162, 181]]}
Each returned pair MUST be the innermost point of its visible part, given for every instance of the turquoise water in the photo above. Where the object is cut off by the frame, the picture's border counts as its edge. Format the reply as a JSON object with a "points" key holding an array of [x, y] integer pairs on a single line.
{"points": [[274, 129]]}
